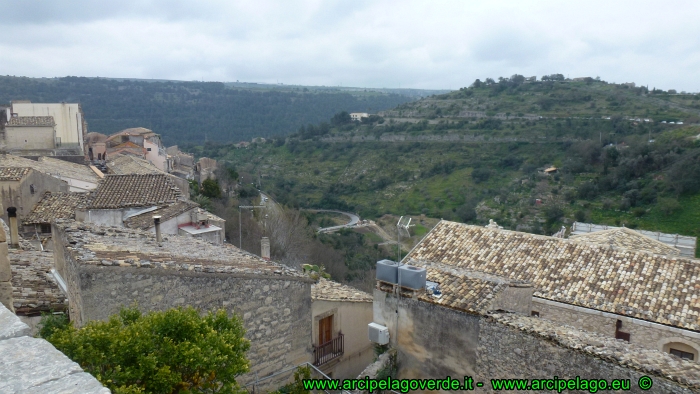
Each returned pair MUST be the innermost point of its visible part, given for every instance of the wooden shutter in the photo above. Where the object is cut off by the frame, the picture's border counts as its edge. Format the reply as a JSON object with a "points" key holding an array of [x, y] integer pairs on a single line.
{"points": [[325, 329]]}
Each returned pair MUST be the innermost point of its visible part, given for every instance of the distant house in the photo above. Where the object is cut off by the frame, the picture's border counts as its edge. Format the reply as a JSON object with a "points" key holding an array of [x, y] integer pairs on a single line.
{"points": [[141, 142], [127, 164], [357, 116], [23, 187], [80, 178], [70, 124], [30, 133], [52, 206]]}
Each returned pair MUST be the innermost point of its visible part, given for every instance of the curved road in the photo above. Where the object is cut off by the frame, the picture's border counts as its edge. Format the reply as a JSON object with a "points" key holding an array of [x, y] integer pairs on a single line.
{"points": [[354, 219]]}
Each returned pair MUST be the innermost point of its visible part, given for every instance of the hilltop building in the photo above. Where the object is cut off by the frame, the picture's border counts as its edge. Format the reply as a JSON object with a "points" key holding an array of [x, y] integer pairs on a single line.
{"points": [[29, 133], [79, 177], [357, 116], [23, 187]]}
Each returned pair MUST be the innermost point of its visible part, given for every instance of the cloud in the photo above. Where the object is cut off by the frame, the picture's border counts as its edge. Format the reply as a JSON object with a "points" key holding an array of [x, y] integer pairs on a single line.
{"points": [[439, 44]]}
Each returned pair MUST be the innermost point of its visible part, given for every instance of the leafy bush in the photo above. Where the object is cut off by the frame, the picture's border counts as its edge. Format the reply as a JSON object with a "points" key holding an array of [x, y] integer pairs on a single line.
{"points": [[210, 188], [669, 206], [161, 352]]}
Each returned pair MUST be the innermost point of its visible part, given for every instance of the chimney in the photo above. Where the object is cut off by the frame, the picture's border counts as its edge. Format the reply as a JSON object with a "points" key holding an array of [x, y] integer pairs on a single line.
{"points": [[156, 222], [5, 273], [14, 227], [265, 246]]}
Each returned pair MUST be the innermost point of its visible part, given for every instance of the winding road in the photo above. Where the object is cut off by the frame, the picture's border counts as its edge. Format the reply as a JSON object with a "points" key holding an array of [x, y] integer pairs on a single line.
{"points": [[354, 219]]}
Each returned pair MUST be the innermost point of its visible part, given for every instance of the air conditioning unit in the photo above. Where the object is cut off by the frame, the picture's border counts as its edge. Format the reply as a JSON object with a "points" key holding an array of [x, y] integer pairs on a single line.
{"points": [[378, 334], [412, 277], [388, 271]]}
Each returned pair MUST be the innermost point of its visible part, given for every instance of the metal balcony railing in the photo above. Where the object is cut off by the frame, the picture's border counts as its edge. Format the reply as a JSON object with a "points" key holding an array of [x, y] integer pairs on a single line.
{"points": [[329, 351]]}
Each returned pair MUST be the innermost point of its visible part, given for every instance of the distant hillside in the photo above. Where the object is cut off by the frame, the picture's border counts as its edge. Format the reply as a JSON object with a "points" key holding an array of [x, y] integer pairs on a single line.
{"points": [[194, 111], [480, 153]]}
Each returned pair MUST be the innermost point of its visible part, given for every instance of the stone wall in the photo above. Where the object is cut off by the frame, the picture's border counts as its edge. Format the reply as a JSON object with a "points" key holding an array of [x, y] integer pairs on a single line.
{"points": [[435, 342], [506, 352], [647, 334], [275, 312], [432, 341]]}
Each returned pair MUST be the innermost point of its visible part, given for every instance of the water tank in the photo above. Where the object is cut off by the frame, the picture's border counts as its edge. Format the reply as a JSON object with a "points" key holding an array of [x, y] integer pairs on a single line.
{"points": [[378, 333], [412, 277], [388, 271]]}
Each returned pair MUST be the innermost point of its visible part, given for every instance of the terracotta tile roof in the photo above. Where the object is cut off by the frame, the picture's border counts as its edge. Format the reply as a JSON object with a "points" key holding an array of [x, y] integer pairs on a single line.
{"points": [[31, 121], [123, 164], [135, 190], [54, 167], [145, 220], [55, 206], [626, 238], [463, 290], [135, 131], [628, 355], [328, 290], [106, 246], [13, 173], [638, 284], [34, 289]]}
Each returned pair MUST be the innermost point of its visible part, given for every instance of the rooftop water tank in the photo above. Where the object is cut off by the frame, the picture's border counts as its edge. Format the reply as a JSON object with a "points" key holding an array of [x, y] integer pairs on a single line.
{"points": [[412, 277], [388, 271]]}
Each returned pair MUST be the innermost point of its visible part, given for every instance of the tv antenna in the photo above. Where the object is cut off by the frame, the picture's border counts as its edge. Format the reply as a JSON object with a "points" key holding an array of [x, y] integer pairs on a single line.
{"points": [[402, 227]]}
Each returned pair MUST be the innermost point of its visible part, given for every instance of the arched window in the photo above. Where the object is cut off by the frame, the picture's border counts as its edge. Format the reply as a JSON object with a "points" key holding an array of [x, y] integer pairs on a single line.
{"points": [[682, 350]]}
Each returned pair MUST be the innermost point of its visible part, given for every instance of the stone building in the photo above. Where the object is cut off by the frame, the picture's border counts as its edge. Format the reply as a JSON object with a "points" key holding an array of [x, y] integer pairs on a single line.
{"points": [[23, 187], [141, 142], [339, 329], [106, 268], [128, 165], [80, 178], [623, 288], [71, 127], [36, 227], [119, 197], [29, 133]]}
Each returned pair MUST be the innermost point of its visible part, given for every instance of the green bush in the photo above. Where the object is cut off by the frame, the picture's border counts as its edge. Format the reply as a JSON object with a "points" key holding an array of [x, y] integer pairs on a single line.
{"points": [[171, 351]]}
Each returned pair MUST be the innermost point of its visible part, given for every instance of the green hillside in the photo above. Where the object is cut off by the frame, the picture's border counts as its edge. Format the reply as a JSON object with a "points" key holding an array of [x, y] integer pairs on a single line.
{"points": [[428, 157], [194, 111]]}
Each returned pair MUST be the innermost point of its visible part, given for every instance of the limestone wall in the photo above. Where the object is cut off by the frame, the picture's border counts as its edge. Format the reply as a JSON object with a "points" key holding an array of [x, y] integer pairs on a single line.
{"points": [[275, 312], [647, 334], [506, 352]]}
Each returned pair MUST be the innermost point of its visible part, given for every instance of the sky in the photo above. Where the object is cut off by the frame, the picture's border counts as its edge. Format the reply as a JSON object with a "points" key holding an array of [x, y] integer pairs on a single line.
{"points": [[392, 44]]}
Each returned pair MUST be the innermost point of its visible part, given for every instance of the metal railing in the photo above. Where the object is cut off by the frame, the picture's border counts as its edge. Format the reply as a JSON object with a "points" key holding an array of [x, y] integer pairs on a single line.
{"points": [[329, 351], [255, 386]]}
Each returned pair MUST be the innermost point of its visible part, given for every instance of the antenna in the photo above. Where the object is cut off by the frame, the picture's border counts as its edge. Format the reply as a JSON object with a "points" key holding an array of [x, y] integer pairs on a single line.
{"points": [[402, 227]]}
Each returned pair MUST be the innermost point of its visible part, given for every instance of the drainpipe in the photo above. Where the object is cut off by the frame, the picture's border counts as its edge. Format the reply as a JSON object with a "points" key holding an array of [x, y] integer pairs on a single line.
{"points": [[14, 229], [156, 222]]}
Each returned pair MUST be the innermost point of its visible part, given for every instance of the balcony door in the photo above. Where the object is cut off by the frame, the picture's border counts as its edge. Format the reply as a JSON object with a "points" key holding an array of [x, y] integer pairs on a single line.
{"points": [[325, 329]]}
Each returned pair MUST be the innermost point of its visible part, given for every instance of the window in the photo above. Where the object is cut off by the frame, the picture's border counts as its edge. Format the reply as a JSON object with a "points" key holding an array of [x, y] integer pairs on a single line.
{"points": [[625, 336], [535, 314], [45, 228], [325, 329], [682, 354], [148, 149], [31, 189]]}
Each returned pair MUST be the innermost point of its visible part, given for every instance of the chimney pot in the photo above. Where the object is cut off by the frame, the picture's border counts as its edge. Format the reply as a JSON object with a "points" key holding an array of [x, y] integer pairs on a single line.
{"points": [[265, 246], [156, 222]]}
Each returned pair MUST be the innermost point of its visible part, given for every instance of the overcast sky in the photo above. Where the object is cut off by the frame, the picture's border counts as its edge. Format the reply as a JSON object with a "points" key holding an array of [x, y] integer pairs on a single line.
{"points": [[418, 44]]}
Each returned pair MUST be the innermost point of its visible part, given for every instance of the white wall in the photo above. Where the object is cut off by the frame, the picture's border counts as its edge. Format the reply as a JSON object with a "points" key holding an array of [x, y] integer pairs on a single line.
{"points": [[68, 118]]}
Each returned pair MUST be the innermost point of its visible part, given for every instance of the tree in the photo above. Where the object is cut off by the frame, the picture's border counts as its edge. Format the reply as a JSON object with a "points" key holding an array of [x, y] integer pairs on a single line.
{"points": [[160, 352], [341, 118], [210, 188]]}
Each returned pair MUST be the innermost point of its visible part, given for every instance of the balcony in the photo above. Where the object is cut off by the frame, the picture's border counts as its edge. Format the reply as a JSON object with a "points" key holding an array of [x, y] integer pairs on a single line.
{"points": [[329, 351]]}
